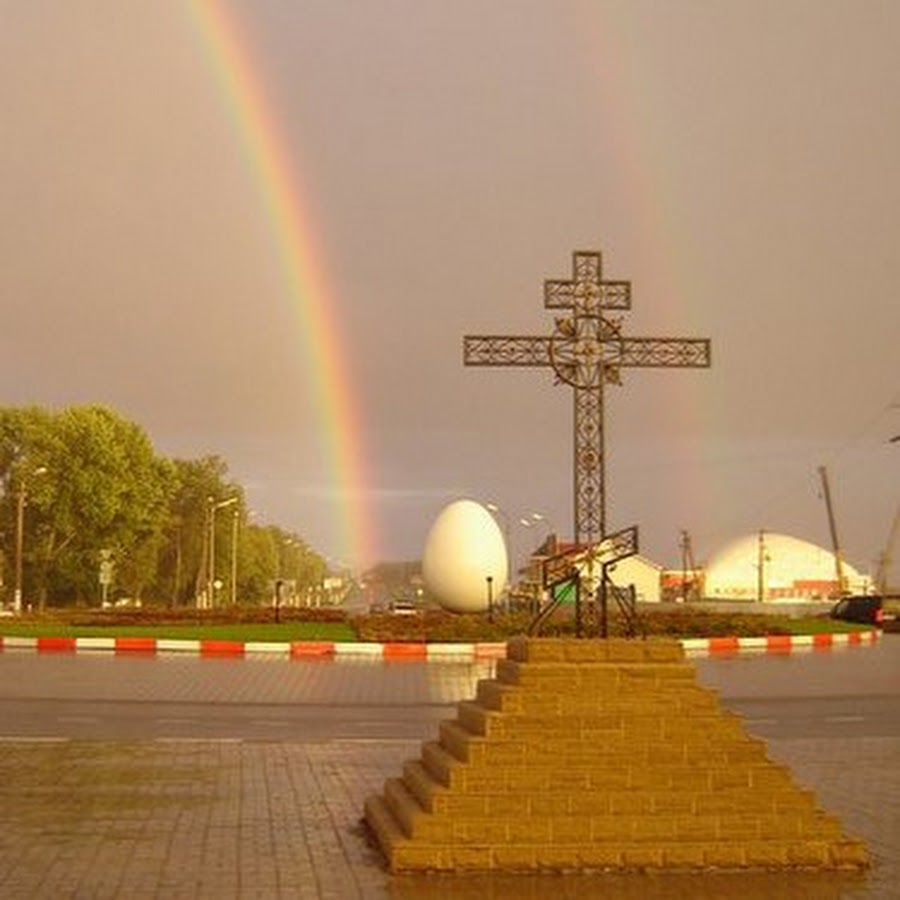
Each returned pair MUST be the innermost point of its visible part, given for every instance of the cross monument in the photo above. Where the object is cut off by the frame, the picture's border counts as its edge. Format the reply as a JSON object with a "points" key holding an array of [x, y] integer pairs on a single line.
{"points": [[587, 351]]}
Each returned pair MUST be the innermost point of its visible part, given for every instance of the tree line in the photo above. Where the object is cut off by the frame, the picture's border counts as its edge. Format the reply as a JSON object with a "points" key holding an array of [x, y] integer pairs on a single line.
{"points": [[89, 511]]}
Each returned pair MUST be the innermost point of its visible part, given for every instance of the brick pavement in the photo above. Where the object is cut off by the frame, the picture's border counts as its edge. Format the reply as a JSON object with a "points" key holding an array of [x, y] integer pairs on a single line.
{"points": [[226, 819], [264, 820], [186, 819]]}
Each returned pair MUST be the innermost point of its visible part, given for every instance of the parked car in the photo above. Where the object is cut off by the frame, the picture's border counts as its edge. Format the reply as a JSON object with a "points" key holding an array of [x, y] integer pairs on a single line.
{"points": [[403, 608], [866, 609]]}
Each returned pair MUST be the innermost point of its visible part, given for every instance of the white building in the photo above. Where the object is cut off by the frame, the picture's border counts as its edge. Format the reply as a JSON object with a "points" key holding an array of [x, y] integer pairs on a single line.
{"points": [[645, 575], [780, 566]]}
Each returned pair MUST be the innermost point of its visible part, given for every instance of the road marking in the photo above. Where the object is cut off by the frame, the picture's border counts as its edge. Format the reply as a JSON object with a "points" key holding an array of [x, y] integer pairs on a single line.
{"points": [[272, 723], [845, 718], [32, 739], [77, 720], [197, 740]]}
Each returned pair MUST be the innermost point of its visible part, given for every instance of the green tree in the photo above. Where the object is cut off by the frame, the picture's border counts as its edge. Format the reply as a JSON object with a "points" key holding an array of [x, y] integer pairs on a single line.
{"points": [[109, 491], [197, 484], [259, 563], [92, 481], [27, 445], [90, 486]]}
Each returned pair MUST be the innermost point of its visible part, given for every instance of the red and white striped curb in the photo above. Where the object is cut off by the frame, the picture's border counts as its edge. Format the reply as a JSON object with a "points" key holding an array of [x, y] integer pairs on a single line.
{"points": [[779, 643], [293, 649], [451, 652]]}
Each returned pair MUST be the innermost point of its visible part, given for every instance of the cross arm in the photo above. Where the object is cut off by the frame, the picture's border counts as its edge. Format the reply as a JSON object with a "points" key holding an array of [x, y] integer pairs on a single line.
{"points": [[612, 294], [512, 350], [611, 549], [664, 353]]}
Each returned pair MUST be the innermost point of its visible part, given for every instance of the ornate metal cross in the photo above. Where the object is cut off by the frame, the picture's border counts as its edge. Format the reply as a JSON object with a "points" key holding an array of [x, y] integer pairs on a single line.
{"points": [[587, 351]]}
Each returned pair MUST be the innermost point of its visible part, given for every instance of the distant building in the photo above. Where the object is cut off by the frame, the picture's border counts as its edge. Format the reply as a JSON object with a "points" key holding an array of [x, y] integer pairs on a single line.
{"points": [[778, 567], [644, 574]]}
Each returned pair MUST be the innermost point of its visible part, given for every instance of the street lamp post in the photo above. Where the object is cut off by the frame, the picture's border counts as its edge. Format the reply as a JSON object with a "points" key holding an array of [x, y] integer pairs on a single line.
{"points": [[211, 581], [533, 565], [234, 548], [21, 499], [548, 525], [497, 512]]}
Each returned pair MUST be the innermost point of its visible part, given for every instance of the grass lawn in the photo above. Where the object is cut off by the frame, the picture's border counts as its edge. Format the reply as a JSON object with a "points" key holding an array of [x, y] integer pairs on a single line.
{"points": [[822, 626], [289, 631], [473, 628]]}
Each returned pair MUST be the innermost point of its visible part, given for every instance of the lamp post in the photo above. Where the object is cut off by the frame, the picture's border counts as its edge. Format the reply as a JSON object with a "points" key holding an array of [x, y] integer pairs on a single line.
{"points": [[211, 581], [234, 548], [21, 499], [533, 565], [549, 526], [497, 512]]}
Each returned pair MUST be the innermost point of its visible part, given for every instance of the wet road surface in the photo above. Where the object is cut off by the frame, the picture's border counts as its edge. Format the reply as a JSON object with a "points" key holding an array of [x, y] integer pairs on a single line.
{"points": [[174, 776]]}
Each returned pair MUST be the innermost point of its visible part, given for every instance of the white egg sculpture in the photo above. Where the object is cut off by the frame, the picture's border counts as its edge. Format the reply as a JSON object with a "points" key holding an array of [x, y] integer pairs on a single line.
{"points": [[464, 549]]}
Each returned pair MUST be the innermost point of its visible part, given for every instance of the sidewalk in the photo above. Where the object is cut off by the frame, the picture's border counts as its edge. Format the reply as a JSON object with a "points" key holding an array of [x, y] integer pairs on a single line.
{"points": [[263, 820], [177, 818]]}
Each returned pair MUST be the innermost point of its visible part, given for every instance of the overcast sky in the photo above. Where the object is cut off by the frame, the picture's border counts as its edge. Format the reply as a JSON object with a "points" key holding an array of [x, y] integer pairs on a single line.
{"points": [[736, 160]]}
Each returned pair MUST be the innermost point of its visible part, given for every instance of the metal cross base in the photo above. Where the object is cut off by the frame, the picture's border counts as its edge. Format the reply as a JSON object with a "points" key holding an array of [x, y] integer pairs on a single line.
{"points": [[586, 569]]}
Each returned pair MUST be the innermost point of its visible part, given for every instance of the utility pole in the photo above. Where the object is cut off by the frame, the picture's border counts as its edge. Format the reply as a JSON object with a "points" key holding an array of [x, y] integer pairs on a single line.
{"points": [[761, 568], [832, 525], [687, 564], [884, 558]]}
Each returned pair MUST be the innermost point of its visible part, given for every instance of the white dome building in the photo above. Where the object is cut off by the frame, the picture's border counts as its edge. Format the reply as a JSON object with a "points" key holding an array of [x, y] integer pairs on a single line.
{"points": [[792, 569]]}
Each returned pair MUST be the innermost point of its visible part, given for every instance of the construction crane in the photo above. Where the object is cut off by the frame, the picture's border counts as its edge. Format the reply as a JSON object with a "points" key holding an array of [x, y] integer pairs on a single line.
{"points": [[884, 558], [690, 589], [835, 544]]}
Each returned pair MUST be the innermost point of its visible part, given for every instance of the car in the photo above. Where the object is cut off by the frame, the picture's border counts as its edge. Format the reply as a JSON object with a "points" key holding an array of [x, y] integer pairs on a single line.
{"points": [[403, 608], [865, 609]]}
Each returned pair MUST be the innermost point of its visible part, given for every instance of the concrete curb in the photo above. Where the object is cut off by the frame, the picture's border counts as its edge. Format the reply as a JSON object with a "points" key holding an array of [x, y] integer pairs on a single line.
{"points": [[446, 652], [779, 643]]}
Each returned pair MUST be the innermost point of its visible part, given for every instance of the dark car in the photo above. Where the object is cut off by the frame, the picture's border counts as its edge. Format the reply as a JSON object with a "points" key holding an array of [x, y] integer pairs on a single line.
{"points": [[867, 610]]}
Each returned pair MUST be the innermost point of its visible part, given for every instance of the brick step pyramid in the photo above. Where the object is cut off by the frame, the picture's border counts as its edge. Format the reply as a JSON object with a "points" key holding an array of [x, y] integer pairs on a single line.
{"points": [[600, 755]]}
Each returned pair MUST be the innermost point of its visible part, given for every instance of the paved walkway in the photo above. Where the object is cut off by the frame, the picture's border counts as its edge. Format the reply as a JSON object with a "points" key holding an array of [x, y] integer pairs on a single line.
{"points": [[247, 819], [254, 820]]}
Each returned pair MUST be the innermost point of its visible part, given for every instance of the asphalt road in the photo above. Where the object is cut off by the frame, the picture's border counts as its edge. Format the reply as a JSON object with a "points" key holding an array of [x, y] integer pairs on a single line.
{"points": [[853, 692], [838, 693]]}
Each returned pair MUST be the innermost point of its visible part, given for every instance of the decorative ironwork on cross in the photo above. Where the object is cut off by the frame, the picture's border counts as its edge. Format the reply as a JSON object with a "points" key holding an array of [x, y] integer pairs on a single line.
{"points": [[587, 351]]}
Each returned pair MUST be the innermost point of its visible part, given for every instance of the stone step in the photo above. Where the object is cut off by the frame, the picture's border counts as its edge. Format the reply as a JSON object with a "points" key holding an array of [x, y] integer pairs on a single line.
{"points": [[736, 766], [386, 829], [427, 791], [550, 650], [631, 856], [413, 820], [549, 768], [546, 745], [512, 821], [583, 714], [556, 700], [435, 797], [606, 678], [440, 765]]}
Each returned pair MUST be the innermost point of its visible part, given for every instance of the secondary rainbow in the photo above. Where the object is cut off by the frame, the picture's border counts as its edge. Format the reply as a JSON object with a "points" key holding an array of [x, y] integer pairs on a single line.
{"points": [[304, 272]]}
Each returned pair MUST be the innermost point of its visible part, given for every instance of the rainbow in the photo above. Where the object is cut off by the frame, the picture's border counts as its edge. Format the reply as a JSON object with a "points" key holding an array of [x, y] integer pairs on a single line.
{"points": [[303, 268]]}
